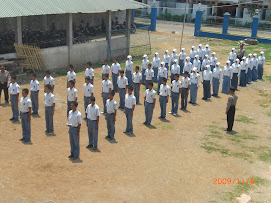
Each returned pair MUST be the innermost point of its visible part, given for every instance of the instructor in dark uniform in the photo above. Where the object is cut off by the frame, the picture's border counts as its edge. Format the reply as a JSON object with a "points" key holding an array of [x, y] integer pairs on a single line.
{"points": [[4, 82], [230, 110]]}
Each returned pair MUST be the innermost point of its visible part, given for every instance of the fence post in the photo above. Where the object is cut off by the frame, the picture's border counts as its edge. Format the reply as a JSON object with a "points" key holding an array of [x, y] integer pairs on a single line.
{"points": [[153, 18], [198, 22], [133, 15], [255, 24], [226, 20]]}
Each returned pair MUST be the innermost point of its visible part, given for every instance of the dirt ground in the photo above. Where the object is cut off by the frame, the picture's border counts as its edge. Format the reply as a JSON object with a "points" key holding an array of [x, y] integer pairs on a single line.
{"points": [[167, 162]]}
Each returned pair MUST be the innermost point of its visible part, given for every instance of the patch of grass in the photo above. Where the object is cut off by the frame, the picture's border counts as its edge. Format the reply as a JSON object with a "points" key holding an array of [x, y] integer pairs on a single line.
{"points": [[240, 154], [244, 119], [245, 135], [268, 78], [269, 113], [265, 156], [213, 147], [163, 126]]}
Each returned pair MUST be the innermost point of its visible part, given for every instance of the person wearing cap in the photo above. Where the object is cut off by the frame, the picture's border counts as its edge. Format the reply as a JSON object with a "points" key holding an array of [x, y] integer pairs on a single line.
{"points": [[185, 87], [250, 67], [213, 61], [207, 51], [14, 90], [115, 74], [144, 67], [175, 69], [217, 77], [243, 72], [200, 53], [236, 73], [188, 66], [89, 72], [227, 77], [255, 68], [111, 106], [162, 73], [195, 81], [166, 60], [192, 54], [182, 57], [35, 88], [197, 63], [232, 56], [163, 98], [175, 95], [207, 77], [149, 75], [230, 110], [4, 83], [261, 64], [149, 103], [137, 80], [105, 69], [129, 67], [49, 80], [155, 65], [241, 52], [205, 62], [88, 89], [122, 85]]}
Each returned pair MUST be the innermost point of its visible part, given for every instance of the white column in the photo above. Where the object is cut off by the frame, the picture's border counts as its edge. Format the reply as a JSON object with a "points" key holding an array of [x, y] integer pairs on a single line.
{"points": [[19, 32]]}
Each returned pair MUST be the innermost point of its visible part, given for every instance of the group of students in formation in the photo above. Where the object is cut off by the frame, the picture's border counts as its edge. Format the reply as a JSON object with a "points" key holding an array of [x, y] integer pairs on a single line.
{"points": [[128, 84]]}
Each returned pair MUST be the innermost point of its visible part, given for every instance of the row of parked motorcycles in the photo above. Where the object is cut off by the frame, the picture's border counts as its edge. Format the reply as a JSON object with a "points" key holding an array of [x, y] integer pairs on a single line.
{"points": [[52, 37]]}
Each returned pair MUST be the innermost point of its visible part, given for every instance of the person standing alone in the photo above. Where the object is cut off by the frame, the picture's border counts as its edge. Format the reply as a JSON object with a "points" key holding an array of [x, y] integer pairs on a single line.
{"points": [[230, 110]]}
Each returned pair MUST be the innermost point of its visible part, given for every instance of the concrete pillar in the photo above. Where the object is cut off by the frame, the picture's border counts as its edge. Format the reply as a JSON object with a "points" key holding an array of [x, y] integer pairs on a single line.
{"points": [[19, 31], [133, 15], [153, 18], [108, 32], [44, 22], [128, 27], [198, 22], [69, 37], [255, 24], [226, 20]]}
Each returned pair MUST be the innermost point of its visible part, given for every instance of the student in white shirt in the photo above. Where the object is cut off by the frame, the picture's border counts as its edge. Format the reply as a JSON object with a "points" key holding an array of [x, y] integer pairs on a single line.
{"points": [[207, 51], [232, 56], [175, 95], [25, 115], [195, 81], [227, 77], [35, 88], [149, 103], [130, 102], [88, 89], [71, 95], [122, 85], [207, 81], [235, 73], [205, 62], [111, 106], [163, 98], [213, 61], [14, 90], [149, 75], [105, 69], [261, 64], [197, 63], [71, 75], [255, 68], [174, 56], [166, 59], [49, 103], [115, 74], [182, 57], [175, 69], [144, 67], [106, 88], [49, 80], [250, 67], [200, 53], [243, 72], [185, 88], [162, 73], [90, 72], [93, 115], [192, 54], [137, 78], [74, 123], [217, 77], [155, 65], [129, 67], [187, 66]]}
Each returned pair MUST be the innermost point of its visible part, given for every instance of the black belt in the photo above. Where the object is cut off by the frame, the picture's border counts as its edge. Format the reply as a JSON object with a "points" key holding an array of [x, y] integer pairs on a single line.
{"points": [[110, 113], [74, 127], [122, 88], [25, 113], [136, 83], [163, 96], [149, 102], [175, 92]]}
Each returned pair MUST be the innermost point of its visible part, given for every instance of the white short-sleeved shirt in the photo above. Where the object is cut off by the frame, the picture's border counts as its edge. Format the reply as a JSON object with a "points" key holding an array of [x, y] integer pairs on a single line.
{"points": [[34, 85], [137, 77], [14, 88], [145, 64], [25, 103], [129, 66], [195, 78], [71, 75], [185, 82], [72, 94], [49, 99], [149, 74], [49, 81], [93, 111], [130, 101], [115, 68], [111, 106], [150, 95], [106, 69], [175, 69], [162, 72], [88, 89], [122, 82], [107, 85], [75, 118], [89, 72], [164, 90], [175, 86]]}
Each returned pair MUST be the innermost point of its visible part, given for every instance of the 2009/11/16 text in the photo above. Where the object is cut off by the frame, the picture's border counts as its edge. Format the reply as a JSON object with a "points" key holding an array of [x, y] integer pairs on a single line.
{"points": [[224, 181]]}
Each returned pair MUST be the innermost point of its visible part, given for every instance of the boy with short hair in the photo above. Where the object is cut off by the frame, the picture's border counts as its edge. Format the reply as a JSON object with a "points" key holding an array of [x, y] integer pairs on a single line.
{"points": [[71, 75], [49, 102], [185, 88], [111, 106], [71, 96], [115, 74], [88, 92], [175, 95], [137, 78], [149, 73], [122, 85], [230, 110], [130, 102], [163, 97], [14, 90], [49, 80], [105, 69], [35, 88], [106, 88], [149, 103], [25, 115], [90, 72]]}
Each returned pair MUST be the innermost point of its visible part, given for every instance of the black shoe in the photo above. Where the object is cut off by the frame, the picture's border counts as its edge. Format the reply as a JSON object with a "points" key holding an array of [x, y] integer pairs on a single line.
{"points": [[124, 131], [74, 158], [12, 119], [108, 137], [88, 146], [46, 131], [190, 102], [16, 120], [6, 102], [22, 139], [145, 123], [95, 148], [26, 140], [71, 156]]}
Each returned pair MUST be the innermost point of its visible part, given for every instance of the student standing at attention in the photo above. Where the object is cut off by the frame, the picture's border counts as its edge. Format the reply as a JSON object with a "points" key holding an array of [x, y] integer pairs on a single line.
{"points": [[149, 75], [72, 96], [88, 89], [90, 72], [74, 123], [182, 57], [111, 106], [130, 102], [49, 80], [235, 73], [162, 73], [255, 68], [71, 75], [14, 90], [217, 77], [149, 103], [137, 78], [49, 102], [166, 60], [105, 69], [155, 65], [106, 88], [175, 95], [35, 88], [25, 115], [195, 81], [207, 77], [230, 110], [129, 67], [122, 85], [115, 74], [93, 113], [185, 88], [175, 69], [163, 98], [144, 67], [227, 77], [261, 64]]}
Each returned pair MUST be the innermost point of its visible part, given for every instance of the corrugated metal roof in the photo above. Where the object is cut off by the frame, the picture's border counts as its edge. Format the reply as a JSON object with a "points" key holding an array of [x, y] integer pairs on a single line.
{"points": [[15, 8]]}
